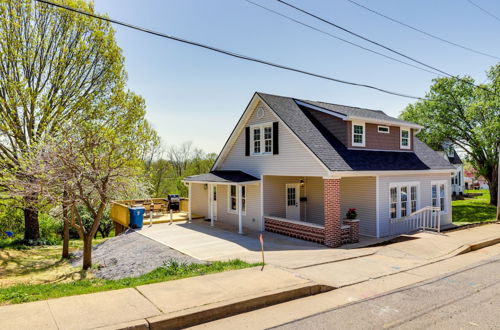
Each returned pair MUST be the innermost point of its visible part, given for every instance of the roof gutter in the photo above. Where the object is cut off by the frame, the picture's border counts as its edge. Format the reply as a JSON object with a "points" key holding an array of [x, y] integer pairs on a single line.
{"points": [[384, 122]]}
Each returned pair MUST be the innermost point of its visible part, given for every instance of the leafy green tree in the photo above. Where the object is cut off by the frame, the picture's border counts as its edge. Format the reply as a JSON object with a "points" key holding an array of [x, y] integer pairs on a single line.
{"points": [[467, 116], [53, 65], [93, 160]]}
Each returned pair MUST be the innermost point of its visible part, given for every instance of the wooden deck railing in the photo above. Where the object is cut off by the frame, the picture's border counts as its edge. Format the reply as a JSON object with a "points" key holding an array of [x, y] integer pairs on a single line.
{"points": [[120, 209]]}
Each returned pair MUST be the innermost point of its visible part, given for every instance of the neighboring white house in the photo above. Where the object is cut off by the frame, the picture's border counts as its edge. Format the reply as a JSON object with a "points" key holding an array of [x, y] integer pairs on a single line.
{"points": [[458, 178], [295, 167]]}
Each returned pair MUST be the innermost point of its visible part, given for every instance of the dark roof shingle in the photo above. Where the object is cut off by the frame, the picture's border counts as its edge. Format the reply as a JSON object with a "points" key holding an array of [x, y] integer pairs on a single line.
{"points": [[222, 177], [335, 155]]}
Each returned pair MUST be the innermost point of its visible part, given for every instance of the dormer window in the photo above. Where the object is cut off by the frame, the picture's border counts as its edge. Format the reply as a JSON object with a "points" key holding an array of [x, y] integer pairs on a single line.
{"points": [[405, 138], [358, 134], [262, 139]]}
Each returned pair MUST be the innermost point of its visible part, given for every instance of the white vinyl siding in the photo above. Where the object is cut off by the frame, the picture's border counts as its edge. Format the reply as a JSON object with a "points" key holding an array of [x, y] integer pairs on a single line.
{"points": [[360, 193], [424, 181], [251, 217], [199, 199], [293, 158]]}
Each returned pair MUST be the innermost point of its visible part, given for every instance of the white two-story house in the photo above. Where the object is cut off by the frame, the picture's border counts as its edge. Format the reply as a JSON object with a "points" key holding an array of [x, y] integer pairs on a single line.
{"points": [[295, 167]]}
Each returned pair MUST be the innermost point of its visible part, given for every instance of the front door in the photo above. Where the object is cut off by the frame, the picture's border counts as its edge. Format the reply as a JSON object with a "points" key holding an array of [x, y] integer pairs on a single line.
{"points": [[293, 201], [214, 201]]}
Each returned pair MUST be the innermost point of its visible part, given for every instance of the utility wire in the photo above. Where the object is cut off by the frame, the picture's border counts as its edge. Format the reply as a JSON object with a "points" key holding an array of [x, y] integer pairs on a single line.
{"points": [[423, 32], [383, 46], [226, 52], [484, 10], [336, 37]]}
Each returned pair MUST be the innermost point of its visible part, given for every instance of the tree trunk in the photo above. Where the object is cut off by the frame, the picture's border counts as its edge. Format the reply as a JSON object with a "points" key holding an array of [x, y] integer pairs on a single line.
{"points": [[65, 251], [31, 227], [87, 251], [493, 184]]}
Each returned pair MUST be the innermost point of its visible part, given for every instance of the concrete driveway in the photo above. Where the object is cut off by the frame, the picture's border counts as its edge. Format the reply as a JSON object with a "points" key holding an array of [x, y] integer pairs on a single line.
{"points": [[199, 240]]}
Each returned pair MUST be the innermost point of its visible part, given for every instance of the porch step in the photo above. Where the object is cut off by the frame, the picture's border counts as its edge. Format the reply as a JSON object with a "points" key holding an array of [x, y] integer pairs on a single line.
{"points": [[303, 234]]}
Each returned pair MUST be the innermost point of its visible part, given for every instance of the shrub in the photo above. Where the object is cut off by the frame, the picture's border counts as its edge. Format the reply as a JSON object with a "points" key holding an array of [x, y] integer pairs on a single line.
{"points": [[50, 227]]}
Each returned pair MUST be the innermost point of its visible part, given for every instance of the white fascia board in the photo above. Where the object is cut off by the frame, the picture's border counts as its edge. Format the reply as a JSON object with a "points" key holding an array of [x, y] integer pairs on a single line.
{"points": [[320, 109], [237, 129], [384, 122]]}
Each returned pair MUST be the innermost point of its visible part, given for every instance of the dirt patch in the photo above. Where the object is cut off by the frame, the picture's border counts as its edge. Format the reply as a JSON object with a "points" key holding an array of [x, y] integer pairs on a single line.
{"points": [[35, 266]]}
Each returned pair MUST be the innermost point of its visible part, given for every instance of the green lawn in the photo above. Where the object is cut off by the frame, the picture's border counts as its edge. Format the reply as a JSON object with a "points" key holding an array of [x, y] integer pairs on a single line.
{"points": [[473, 210], [170, 271]]}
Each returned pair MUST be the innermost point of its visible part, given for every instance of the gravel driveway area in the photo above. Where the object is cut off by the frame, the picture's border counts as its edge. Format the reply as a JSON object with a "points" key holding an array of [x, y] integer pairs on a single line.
{"points": [[131, 254]]}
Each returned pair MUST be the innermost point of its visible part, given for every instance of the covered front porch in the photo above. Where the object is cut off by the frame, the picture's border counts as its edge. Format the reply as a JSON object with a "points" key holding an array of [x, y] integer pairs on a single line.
{"points": [[305, 207]]}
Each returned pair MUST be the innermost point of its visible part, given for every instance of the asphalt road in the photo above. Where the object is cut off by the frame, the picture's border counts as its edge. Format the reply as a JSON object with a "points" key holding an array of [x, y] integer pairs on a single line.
{"points": [[468, 299]]}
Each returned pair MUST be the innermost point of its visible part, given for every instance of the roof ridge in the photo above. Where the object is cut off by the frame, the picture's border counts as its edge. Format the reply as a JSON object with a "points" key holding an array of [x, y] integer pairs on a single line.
{"points": [[349, 106]]}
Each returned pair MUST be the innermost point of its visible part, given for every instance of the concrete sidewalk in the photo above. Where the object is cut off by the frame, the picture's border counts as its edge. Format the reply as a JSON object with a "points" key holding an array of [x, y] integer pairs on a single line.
{"points": [[128, 307], [374, 269]]}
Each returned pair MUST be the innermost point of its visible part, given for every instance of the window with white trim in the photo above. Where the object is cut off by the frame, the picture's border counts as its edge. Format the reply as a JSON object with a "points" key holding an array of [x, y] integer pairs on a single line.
{"points": [[262, 139], [405, 138], [358, 134], [404, 199], [438, 195], [383, 129], [233, 198], [232, 201]]}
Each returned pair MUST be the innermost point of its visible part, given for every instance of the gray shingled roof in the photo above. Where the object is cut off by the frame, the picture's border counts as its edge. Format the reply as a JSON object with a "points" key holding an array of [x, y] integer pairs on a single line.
{"points": [[222, 177], [358, 112], [335, 155]]}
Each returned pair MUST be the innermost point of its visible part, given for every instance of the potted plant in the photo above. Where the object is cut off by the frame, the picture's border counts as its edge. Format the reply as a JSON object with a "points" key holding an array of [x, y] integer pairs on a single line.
{"points": [[351, 214]]}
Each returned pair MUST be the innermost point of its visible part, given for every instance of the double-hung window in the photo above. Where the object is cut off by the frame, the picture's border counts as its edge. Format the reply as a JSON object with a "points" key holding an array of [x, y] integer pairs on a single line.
{"points": [[262, 139], [405, 138], [233, 199], [358, 134], [438, 195], [404, 199]]}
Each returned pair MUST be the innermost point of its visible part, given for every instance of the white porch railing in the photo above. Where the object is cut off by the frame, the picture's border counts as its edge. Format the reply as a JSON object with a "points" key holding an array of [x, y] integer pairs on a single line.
{"points": [[427, 218]]}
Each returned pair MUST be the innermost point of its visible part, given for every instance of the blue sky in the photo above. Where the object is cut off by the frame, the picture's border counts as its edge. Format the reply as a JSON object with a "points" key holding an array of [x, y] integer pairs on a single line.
{"points": [[196, 95]]}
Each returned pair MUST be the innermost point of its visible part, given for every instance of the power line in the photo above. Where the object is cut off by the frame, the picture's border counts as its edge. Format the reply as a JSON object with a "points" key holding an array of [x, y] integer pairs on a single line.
{"points": [[383, 46], [422, 31], [226, 52], [336, 37], [484, 10]]}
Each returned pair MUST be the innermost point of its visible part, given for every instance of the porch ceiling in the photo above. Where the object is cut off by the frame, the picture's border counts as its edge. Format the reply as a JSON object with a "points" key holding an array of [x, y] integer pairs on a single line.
{"points": [[223, 177]]}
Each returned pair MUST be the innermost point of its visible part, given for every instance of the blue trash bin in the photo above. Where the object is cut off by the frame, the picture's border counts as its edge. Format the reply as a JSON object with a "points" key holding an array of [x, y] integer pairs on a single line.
{"points": [[136, 216]]}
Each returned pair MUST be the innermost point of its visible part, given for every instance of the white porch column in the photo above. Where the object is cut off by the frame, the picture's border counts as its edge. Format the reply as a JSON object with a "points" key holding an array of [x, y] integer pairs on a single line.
{"points": [[189, 202], [211, 199], [240, 213]]}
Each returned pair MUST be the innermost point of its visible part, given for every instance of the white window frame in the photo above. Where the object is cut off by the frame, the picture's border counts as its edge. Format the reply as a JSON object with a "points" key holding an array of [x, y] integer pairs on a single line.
{"points": [[243, 192], [446, 197], [408, 186], [401, 138], [358, 123], [261, 128], [384, 132]]}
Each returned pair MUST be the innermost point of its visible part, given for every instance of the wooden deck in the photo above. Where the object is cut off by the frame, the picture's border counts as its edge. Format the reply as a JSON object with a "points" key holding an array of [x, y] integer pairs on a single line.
{"points": [[176, 216]]}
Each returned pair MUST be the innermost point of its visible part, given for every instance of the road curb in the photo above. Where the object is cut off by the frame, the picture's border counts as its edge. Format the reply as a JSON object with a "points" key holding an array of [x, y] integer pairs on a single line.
{"points": [[205, 314], [481, 244]]}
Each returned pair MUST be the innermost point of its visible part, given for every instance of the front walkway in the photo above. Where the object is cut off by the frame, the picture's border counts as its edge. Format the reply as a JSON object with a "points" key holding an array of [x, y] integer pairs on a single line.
{"points": [[199, 240]]}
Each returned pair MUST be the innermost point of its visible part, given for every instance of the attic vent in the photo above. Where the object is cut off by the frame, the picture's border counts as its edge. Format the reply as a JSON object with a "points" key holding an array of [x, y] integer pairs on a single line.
{"points": [[383, 129]]}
